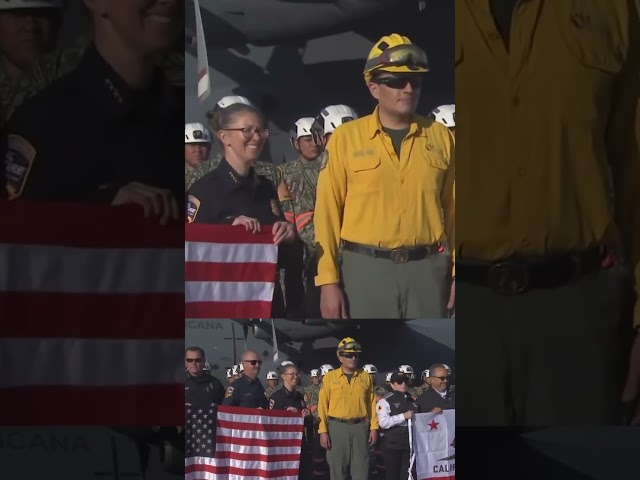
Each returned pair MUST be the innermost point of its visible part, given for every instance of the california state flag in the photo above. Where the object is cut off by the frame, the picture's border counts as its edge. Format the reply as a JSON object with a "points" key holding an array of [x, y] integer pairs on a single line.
{"points": [[434, 443]]}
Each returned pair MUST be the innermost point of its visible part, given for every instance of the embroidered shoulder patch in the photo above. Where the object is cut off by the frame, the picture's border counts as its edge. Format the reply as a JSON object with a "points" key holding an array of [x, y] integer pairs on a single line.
{"points": [[271, 404], [193, 204], [18, 161]]}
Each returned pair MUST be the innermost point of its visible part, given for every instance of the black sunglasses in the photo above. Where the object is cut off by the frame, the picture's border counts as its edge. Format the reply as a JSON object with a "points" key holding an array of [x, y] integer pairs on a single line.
{"points": [[398, 83], [442, 378], [191, 360], [401, 381], [350, 355], [253, 362]]}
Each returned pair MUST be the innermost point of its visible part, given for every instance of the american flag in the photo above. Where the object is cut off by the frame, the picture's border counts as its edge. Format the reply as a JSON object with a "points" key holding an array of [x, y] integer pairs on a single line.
{"points": [[91, 308], [224, 443], [229, 272]]}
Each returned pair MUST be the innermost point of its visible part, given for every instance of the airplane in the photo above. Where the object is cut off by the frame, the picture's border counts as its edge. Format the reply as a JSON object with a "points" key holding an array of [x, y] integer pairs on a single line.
{"points": [[291, 69], [386, 343], [81, 453]]}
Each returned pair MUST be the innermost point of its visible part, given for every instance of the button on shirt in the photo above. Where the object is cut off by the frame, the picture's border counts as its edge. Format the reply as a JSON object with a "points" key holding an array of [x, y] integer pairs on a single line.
{"points": [[343, 399], [535, 173], [89, 133], [245, 392], [222, 195], [367, 195]]}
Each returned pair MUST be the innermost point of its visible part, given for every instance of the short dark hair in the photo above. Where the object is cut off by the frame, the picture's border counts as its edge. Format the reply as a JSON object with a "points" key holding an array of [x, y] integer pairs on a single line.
{"points": [[220, 118], [195, 349]]}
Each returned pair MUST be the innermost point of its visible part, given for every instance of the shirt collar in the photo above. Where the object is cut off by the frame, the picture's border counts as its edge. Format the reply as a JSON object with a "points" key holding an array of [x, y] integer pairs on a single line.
{"points": [[234, 180], [355, 374], [374, 126], [113, 97]]}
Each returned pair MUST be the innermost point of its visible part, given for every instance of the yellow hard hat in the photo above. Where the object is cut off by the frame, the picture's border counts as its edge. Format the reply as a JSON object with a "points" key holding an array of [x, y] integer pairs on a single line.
{"points": [[395, 53], [349, 345]]}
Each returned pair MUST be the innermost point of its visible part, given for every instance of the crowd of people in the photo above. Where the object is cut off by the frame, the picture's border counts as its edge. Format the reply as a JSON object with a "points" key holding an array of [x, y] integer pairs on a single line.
{"points": [[353, 425], [364, 231]]}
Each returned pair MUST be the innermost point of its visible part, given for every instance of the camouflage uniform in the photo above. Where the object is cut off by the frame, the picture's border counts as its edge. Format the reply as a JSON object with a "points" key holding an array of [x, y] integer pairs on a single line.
{"points": [[187, 176], [301, 180], [311, 395], [269, 390], [380, 391], [414, 391]]}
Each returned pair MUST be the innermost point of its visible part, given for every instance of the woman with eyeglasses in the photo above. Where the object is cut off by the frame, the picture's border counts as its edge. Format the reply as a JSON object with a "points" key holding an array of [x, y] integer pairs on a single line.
{"points": [[290, 399], [394, 410], [235, 194]]}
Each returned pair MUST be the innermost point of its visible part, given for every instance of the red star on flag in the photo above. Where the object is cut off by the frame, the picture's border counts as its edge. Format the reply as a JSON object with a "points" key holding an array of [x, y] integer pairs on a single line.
{"points": [[433, 425]]}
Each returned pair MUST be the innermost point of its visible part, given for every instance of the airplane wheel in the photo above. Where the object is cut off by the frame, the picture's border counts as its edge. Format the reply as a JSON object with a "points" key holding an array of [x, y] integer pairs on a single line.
{"points": [[172, 459]]}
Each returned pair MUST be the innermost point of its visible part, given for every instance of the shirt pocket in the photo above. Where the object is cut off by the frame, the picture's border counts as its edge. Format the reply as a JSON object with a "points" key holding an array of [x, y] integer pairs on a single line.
{"points": [[365, 174], [592, 35]]}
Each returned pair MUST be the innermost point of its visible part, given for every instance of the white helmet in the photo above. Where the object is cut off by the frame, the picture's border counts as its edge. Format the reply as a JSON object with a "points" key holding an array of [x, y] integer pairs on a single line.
{"points": [[235, 370], [445, 114], [240, 367], [447, 368], [285, 363], [314, 373], [196, 133], [370, 368], [16, 4], [272, 375], [232, 100], [326, 368], [387, 378], [230, 372], [207, 366], [335, 115], [406, 370], [425, 373], [301, 128]]}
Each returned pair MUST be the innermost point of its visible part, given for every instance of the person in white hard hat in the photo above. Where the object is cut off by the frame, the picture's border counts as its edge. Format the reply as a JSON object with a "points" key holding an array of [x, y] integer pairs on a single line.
{"points": [[407, 371], [272, 383], [297, 193], [446, 115], [230, 376], [197, 146], [373, 372], [329, 119], [28, 28]]}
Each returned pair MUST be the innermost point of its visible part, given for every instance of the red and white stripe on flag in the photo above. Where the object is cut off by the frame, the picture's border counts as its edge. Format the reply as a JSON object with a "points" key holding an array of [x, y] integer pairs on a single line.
{"points": [[435, 445], [229, 272], [251, 443], [91, 304]]}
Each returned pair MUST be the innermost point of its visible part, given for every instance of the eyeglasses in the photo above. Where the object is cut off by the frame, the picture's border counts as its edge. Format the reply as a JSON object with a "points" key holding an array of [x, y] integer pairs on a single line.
{"points": [[399, 83], [193, 360], [249, 132], [253, 362], [443, 379], [410, 56], [350, 355]]}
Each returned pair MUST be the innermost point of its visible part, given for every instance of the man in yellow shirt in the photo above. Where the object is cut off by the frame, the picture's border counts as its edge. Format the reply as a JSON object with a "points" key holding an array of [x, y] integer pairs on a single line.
{"points": [[548, 94], [386, 180], [347, 415]]}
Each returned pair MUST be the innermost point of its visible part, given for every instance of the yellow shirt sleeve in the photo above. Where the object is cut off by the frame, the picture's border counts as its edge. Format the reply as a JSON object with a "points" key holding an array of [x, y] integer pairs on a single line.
{"points": [[448, 201], [323, 407], [330, 200]]}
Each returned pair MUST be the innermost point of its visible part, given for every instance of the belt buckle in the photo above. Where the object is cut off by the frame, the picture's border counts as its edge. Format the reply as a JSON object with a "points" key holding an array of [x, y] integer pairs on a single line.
{"points": [[350, 421], [508, 278], [399, 255]]}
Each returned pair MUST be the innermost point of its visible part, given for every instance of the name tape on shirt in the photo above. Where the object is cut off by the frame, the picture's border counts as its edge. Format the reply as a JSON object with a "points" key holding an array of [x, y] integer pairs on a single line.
{"points": [[18, 162], [193, 204]]}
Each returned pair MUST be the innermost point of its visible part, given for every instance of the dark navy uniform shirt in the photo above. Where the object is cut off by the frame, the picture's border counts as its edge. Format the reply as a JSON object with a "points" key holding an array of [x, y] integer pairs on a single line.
{"points": [[245, 392], [89, 133], [203, 390], [282, 399], [222, 195]]}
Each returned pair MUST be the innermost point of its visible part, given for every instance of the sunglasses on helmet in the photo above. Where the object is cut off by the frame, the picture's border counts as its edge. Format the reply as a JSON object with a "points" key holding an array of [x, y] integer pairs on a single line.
{"points": [[398, 83], [350, 346], [410, 56]]}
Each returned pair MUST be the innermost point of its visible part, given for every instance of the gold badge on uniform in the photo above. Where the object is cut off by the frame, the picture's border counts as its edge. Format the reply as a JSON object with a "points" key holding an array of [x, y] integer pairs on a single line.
{"points": [[229, 392], [18, 162], [193, 204], [274, 208]]}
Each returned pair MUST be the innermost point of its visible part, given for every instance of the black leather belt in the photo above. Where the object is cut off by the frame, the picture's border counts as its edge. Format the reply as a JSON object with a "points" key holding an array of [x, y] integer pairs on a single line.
{"points": [[350, 421], [397, 255], [518, 275]]}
